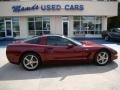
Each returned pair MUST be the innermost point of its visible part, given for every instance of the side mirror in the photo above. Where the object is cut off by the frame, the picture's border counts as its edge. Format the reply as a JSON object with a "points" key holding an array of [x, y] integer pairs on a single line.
{"points": [[70, 45]]}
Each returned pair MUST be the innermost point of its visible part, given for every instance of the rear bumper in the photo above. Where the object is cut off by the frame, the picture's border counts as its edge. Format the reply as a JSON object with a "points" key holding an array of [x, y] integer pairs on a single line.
{"points": [[13, 58]]}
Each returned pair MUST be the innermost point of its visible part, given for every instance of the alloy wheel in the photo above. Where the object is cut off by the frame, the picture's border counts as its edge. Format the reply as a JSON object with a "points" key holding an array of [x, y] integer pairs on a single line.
{"points": [[102, 58], [30, 62]]}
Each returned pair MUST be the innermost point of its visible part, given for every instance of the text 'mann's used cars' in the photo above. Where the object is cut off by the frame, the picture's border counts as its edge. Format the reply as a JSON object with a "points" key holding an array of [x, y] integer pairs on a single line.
{"points": [[51, 49]]}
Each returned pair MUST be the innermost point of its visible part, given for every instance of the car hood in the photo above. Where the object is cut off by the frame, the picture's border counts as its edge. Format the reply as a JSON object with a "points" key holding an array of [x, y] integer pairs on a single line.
{"points": [[93, 44], [89, 43]]}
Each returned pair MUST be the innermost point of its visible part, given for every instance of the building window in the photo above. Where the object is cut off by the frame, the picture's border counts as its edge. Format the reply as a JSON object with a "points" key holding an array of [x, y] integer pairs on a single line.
{"points": [[38, 25], [2, 27], [13, 26], [87, 25]]}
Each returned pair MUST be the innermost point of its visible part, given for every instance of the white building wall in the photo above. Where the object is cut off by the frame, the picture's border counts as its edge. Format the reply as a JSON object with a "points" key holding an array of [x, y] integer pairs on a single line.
{"points": [[23, 27], [56, 25], [70, 26], [104, 23]]}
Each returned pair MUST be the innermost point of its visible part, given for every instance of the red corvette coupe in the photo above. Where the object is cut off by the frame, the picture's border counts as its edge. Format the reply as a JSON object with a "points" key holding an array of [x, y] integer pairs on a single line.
{"points": [[57, 49]]}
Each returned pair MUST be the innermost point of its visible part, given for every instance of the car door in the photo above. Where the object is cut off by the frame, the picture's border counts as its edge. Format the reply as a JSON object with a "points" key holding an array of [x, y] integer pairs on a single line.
{"points": [[59, 48]]}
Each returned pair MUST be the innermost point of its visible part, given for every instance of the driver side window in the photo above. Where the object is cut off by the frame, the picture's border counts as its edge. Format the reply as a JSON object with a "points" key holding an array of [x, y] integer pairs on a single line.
{"points": [[58, 41]]}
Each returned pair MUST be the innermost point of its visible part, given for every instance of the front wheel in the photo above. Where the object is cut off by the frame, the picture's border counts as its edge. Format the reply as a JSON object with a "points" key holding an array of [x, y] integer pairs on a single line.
{"points": [[102, 58], [30, 61]]}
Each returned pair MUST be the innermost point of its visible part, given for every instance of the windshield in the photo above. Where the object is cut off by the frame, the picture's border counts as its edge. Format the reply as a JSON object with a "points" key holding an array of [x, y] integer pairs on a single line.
{"points": [[116, 30], [72, 40]]}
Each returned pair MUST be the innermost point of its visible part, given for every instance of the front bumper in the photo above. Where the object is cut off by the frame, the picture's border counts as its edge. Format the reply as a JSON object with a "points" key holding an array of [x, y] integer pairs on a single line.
{"points": [[114, 56]]}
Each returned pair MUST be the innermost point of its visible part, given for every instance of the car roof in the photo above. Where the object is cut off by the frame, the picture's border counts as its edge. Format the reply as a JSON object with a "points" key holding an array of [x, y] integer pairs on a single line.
{"points": [[51, 35], [45, 36], [34, 37]]}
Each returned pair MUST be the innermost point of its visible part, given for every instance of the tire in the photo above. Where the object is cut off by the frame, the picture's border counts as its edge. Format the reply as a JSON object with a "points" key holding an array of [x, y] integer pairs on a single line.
{"points": [[31, 61], [107, 38], [102, 58]]}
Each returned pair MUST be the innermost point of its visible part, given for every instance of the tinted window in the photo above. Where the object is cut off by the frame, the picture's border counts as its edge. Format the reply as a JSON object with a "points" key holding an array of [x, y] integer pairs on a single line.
{"points": [[58, 41], [34, 40], [38, 25], [116, 30]]}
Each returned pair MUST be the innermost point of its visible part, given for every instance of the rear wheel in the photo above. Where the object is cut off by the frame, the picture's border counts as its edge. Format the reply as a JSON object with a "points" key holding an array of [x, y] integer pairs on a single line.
{"points": [[31, 61], [102, 58]]}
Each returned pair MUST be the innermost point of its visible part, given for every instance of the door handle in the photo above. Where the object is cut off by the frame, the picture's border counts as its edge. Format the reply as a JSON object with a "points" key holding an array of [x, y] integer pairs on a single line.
{"points": [[49, 48], [86, 49]]}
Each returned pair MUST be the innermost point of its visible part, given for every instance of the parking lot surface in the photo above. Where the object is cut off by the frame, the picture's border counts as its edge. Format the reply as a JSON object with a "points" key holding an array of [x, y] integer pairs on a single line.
{"points": [[72, 77]]}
